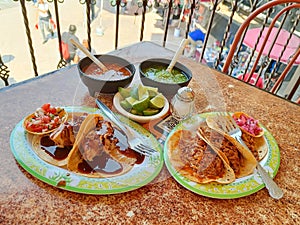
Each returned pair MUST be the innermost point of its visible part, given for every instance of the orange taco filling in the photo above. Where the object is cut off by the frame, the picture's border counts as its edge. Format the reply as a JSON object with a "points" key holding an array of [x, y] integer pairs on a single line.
{"points": [[200, 158], [250, 142], [235, 158]]}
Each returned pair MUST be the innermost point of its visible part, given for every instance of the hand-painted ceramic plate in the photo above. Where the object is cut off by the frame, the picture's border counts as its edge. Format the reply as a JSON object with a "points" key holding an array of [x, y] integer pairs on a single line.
{"points": [[137, 177], [240, 187]]}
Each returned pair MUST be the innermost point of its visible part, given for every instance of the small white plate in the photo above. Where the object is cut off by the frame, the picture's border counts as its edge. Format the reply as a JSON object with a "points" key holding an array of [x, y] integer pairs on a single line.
{"points": [[140, 119]]}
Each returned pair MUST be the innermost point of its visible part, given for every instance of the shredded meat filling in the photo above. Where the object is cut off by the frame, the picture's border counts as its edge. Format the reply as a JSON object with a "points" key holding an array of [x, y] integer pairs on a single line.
{"points": [[97, 140], [63, 136], [231, 152], [249, 141], [204, 161]]}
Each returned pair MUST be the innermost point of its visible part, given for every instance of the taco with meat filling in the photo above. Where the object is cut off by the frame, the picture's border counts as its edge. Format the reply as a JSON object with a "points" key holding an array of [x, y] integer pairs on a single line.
{"points": [[55, 147], [239, 159], [257, 145], [194, 159], [101, 150]]}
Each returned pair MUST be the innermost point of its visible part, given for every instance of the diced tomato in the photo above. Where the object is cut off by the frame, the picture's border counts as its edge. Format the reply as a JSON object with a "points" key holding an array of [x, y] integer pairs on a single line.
{"points": [[56, 120], [52, 110], [37, 129], [44, 119], [46, 107]]}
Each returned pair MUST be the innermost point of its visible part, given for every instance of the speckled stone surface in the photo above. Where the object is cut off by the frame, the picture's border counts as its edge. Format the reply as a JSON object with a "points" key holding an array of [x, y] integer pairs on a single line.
{"points": [[27, 200]]}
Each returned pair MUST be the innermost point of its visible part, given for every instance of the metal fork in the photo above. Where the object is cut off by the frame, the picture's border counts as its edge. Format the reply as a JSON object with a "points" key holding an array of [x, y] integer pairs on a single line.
{"points": [[229, 125], [134, 142]]}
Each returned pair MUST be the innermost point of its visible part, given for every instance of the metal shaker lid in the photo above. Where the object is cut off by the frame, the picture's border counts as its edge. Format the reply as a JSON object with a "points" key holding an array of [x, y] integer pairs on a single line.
{"points": [[186, 94]]}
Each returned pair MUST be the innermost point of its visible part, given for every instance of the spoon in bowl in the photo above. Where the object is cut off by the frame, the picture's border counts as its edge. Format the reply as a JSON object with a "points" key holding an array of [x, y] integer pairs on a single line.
{"points": [[177, 54], [104, 69]]}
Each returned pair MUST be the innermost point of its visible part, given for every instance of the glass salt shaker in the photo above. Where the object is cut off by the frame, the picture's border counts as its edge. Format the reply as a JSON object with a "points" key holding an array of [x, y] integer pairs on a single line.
{"points": [[182, 104]]}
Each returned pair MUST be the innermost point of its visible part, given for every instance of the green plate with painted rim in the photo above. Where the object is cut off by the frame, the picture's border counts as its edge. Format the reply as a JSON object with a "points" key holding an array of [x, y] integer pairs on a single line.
{"points": [[240, 187], [137, 177]]}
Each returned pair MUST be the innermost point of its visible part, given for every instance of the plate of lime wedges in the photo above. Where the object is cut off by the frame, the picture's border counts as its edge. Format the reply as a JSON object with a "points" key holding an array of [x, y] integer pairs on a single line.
{"points": [[141, 103]]}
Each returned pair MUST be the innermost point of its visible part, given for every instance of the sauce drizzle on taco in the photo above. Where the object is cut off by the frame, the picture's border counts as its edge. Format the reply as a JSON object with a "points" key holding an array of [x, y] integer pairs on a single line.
{"points": [[53, 150], [55, 147], [101, 150]]}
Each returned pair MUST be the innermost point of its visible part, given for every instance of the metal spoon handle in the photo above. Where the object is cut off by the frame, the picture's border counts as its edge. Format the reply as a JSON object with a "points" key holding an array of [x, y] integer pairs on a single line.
{"points": [[272, 187], [93, 58]]}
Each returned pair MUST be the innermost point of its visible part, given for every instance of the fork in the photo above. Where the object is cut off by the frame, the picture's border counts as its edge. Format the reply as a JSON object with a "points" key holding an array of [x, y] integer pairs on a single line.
{"points": [[134, 142], [229, 125]]}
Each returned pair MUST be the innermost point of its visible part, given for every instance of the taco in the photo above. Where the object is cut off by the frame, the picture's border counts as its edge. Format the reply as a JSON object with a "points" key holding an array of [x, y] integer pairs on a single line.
{"points": [[196, 160], [241, 161], [101, 150], [257, 145], [55, 147]]}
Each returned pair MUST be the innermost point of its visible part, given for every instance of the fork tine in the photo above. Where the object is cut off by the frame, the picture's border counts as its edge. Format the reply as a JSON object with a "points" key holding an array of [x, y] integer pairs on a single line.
{"points": [[233, 123], [138, 151], [222, 121], [141, 151], [146, 148], [229, 121], [236, 133]]}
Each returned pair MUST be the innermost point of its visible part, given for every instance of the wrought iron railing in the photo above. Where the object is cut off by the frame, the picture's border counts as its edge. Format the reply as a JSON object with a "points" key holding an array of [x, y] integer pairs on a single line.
{"points": [[192, 8]]}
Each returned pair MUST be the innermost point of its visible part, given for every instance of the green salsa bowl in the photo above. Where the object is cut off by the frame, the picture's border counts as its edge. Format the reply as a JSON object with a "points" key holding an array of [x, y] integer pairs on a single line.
{"points": [[153, 73]]}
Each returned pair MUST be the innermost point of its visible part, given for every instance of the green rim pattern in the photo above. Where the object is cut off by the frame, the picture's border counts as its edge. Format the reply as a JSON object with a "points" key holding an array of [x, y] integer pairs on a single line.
{"points": [[139, 176], [239, 188]]}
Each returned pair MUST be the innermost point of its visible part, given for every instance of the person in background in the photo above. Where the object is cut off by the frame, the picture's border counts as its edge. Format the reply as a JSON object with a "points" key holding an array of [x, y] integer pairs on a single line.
{"points": [[80, 54], [66, 36], [43, 19]]}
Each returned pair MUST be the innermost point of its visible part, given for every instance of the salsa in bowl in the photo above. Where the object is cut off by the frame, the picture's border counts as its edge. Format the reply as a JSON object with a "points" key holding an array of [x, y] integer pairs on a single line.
{"points": [[153, 73], [107, 83]]}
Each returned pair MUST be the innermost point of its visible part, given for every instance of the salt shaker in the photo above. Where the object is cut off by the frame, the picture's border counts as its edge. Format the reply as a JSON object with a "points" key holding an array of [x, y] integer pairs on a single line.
{"points": [[182, 104]]}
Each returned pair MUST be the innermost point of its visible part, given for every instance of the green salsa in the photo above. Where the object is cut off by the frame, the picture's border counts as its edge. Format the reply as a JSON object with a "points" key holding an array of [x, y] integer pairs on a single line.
{"points": [[159, 73]]}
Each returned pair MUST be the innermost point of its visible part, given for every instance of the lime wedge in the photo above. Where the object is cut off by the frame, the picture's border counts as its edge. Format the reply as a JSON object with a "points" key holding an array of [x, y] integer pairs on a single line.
{"points": [[125, 105], [152, 91], [131, 100], [150, 112], [155, 89], [141, 104], [157, 102], [134, 92], [142, 92], [124, 92], [135, 112]]}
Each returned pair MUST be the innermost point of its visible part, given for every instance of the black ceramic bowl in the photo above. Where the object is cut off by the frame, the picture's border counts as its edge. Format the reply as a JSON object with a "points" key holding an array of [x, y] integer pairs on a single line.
{"points": [[105, 86], [167, 89]]}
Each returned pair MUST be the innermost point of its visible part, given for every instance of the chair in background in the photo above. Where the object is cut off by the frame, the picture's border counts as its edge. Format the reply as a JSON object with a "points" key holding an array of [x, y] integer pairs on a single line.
{"points": [[275, 41]]}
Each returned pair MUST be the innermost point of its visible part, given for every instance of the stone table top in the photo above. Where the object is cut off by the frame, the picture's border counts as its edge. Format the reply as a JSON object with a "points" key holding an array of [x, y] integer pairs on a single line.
{"points": [[25, 199]]}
